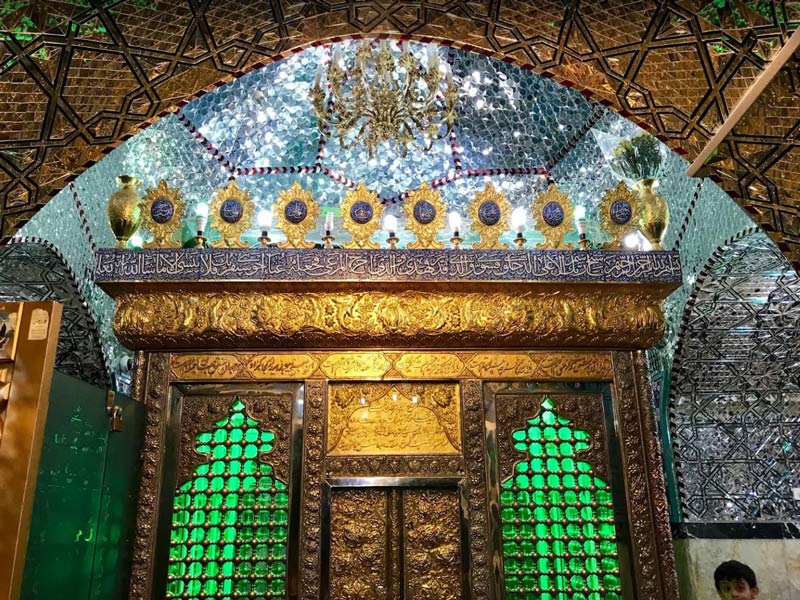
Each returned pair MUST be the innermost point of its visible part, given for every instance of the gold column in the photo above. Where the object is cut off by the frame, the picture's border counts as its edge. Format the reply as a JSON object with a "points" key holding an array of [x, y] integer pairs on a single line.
{"points": [[22, 435], [654, 565], [151, 387]]}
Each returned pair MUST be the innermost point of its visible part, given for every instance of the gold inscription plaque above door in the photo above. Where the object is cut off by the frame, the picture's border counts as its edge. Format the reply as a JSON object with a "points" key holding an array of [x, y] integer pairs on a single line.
{"points": [[393, 418]]}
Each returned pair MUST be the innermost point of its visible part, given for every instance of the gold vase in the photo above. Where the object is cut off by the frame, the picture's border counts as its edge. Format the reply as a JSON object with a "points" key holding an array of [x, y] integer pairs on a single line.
{"points": [[654, 215], [125, 209]]}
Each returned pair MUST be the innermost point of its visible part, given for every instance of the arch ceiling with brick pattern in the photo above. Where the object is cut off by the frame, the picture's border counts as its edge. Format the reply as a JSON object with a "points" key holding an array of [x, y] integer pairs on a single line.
{"points": [[78, 77]]}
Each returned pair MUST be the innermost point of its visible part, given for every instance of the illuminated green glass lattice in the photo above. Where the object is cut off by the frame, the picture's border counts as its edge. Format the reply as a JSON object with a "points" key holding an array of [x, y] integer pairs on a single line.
{"points": [[559, 538], [230, 522]]}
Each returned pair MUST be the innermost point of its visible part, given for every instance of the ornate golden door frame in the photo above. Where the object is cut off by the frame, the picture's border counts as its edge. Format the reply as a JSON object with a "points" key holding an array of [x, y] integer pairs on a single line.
{"points": [[548, 316]]}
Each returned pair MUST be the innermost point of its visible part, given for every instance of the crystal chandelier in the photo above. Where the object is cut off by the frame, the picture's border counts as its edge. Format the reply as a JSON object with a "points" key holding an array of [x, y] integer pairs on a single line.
{"points": [[377, 101]]}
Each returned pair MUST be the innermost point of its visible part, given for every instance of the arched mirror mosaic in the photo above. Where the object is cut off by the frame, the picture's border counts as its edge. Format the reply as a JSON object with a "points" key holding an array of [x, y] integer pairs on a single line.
{"points": [[735, 404]]}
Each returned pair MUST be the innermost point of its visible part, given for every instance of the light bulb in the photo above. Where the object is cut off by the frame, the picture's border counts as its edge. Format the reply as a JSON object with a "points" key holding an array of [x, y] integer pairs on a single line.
{"points": [[136, 240], [454, 219], [433, 58], [580, 219], [201, 217], [518, 219], [265, 219], [390, 224], [631, 241]]}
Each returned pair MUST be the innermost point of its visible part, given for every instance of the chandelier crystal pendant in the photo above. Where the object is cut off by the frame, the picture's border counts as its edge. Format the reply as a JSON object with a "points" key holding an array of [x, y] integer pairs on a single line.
{"points": [[378, 100]]}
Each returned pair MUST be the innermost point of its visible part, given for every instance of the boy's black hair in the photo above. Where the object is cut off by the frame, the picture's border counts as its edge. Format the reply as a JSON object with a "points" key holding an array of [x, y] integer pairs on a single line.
{"points": [[732, 570]]}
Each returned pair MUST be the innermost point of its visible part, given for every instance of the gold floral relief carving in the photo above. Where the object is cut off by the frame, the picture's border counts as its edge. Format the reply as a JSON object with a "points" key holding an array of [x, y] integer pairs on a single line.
{"points": [[358, 545], [643, 520], [310, 523], [155, 389], [385, 418], [658, 489], [433, 546], [355, 364], [167, 319], [478, 484], [393, 465]]}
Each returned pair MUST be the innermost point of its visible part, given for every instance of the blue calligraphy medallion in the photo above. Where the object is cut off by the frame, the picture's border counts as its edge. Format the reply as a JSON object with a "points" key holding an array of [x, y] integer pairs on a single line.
{"points": [[231, 211], [161, 210], [424, 212], [553, 214], [361, 212], [296, 211], [621, 212], [489, 213]]}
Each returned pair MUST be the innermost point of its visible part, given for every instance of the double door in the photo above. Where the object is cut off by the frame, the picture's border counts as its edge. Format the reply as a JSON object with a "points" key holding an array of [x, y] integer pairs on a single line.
{"points": [[389, 538]]}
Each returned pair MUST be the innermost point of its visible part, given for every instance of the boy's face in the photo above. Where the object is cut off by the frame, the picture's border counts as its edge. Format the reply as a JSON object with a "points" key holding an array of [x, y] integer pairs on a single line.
{"points": [[737, 590]]}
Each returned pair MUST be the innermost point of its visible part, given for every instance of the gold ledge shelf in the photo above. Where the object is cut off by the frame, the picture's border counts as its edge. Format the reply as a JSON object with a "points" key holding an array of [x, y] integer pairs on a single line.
{"points": [[273, 298]]}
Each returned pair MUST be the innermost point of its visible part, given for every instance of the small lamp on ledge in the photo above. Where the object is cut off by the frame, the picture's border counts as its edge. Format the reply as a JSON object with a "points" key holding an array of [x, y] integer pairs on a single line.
{"points": [[580, 225], [201, 219], [390, 226], [518, 223], [454, 219], [264, 223], [328, 238]]}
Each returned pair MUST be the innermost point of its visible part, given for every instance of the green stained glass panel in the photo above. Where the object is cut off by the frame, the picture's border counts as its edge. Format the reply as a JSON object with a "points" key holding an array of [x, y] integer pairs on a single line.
{"points": [[573, 551], [233, 502]]}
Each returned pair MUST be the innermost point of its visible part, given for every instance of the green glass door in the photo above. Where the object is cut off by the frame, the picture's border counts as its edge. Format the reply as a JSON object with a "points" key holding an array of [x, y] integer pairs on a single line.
{"points": [[84, 510]]}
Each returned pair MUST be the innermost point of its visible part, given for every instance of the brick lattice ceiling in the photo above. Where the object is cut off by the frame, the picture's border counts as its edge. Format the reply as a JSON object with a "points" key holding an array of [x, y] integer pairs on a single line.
{"points": [[78, 77]]}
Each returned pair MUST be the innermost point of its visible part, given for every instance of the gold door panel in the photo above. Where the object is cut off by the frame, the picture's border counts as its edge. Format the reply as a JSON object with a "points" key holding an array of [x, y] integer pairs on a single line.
{"points": [[400, 539]]}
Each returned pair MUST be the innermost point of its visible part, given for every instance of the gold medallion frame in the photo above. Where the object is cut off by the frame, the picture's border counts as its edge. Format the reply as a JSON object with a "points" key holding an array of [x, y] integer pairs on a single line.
{"points": [[231, 233], [553, 235], [163, 233], [489, 234], [615, 230], [425, 232], [361, 232], [296, 232]]}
